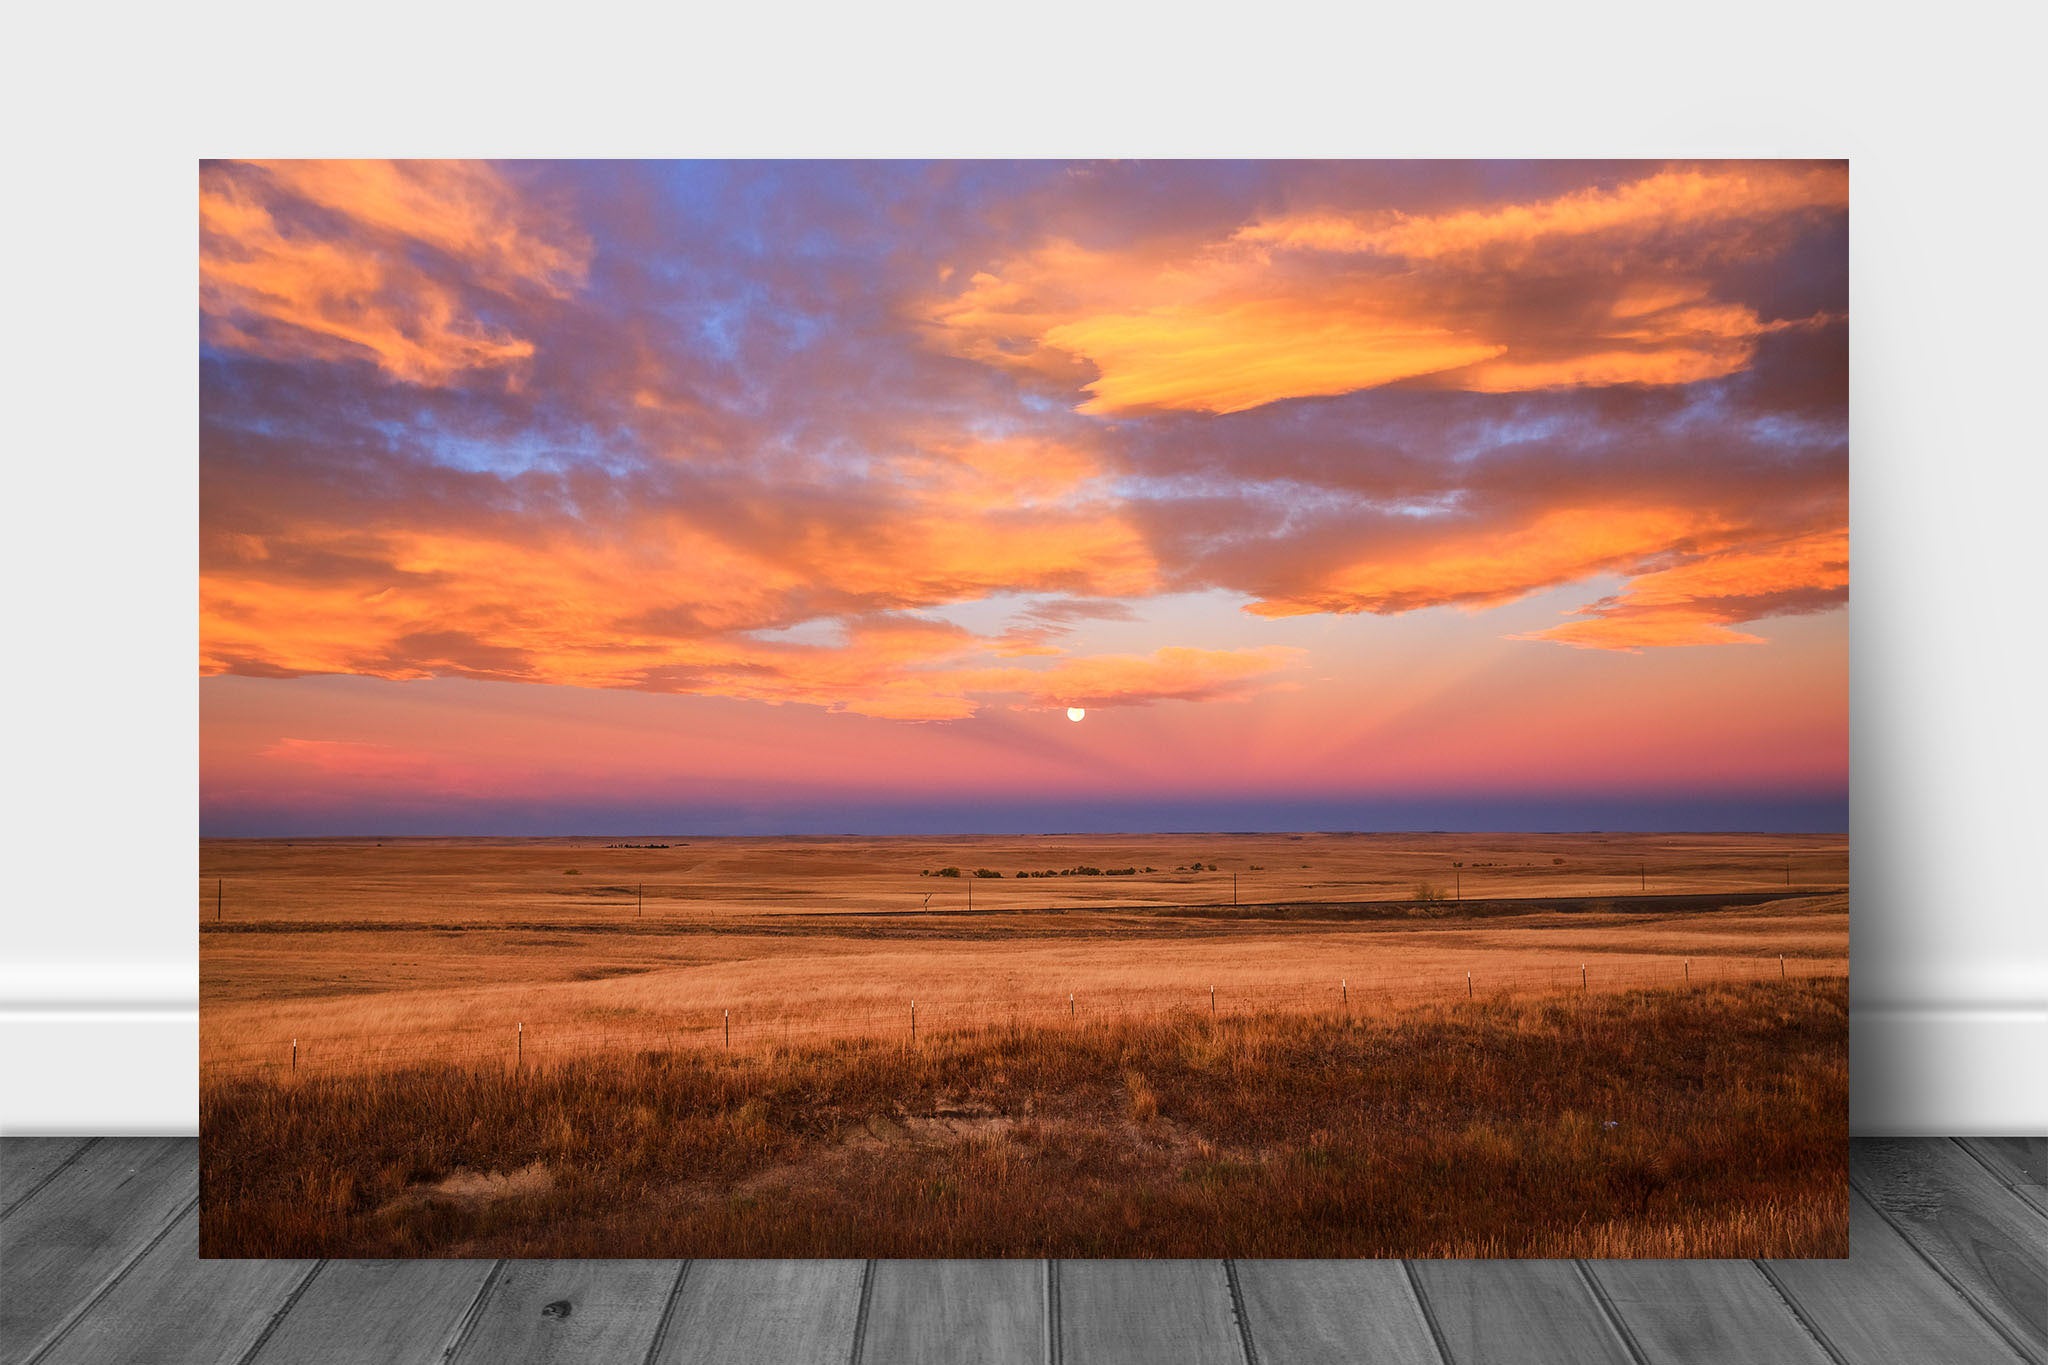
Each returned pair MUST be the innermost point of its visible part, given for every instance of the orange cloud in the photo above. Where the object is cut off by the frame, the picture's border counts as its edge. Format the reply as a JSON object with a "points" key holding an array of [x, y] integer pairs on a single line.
{"points": [[346, 758], [1170, 674], [1699, 600], [1326, 303], [736, 480], [662, 602], [317, 260], [1490, 565], [465, 209], [1671, 201], [1693, 574], [1232, 354]]}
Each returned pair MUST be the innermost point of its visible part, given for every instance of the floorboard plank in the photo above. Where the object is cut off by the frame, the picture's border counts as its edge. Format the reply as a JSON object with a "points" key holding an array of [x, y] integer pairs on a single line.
{"points": [[93, 1218], [1518, 1313], [764, 1313], [1704, 1313], [1885, 1305], [1146, 1313], [942, 1312], [174, 1309], [2020, 1162], [1334, 1313], [1966, 1222], [545, 1312], [104, 1256], [30, 1161], [377, 1313]]}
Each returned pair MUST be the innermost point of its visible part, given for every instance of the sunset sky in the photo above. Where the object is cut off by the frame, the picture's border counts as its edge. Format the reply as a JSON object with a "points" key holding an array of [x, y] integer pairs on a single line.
{"points": [[806, 498]]}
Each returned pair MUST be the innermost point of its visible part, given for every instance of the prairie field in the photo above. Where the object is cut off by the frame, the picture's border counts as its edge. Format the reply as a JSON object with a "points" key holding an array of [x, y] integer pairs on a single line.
{"points": [[1660, 1123], [1367, 1045]]}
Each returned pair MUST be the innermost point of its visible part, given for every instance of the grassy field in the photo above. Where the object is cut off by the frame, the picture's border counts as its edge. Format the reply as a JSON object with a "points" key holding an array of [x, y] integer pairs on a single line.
{"points": [[371, 956], [1670, 1122], [736, 882], [366, 999], [817, 1047]]}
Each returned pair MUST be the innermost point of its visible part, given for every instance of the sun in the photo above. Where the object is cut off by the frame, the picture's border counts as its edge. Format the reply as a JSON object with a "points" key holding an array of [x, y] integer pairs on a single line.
{"points": [[1076, 712]]}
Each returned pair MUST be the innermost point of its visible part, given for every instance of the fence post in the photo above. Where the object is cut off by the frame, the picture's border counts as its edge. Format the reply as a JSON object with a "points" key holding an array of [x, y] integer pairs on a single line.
{"points": [[1344, 991], [1070, 1004], [728, 1030], [1781, 966], [1212, 1002], [519, 1046], [1688, 971], [1468, 985], [295, 1056], [913, 1021], [1582, 976]]}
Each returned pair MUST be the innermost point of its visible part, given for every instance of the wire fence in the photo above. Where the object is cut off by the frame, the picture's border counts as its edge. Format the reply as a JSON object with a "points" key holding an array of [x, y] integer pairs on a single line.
{"points": [[759, 1026]]}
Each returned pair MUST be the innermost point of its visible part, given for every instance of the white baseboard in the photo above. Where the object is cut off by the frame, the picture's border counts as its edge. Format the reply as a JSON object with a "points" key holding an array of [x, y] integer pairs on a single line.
{"points": [[99, 1048], [1914, 1069], [99, 1072], [1927, 1070]]}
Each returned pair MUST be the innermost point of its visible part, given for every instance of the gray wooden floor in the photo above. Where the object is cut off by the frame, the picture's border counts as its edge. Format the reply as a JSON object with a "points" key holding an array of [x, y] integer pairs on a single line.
{"points": [[99, 1240]]}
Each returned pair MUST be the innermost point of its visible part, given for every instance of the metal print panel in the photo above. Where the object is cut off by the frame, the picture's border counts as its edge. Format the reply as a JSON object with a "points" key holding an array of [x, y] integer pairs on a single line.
{"points": [[965, 709]]}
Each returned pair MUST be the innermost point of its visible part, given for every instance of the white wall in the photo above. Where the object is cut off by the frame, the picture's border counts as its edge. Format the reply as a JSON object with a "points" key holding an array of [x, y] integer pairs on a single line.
{"points": [[97, 1024]]}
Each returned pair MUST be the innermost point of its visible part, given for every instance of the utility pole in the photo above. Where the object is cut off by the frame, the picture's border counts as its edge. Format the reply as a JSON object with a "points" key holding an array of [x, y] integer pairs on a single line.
{"points": [[639, 899], [1642, 877], [216, 899], [1233, 888]]}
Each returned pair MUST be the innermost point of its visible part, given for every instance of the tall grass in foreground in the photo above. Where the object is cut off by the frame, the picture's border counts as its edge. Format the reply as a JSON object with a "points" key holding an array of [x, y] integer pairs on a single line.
{"points": [[1660, 1123]]}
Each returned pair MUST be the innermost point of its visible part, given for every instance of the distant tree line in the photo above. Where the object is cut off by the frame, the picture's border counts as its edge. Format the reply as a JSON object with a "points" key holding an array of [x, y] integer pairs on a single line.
{"points": [[1085, 870]]}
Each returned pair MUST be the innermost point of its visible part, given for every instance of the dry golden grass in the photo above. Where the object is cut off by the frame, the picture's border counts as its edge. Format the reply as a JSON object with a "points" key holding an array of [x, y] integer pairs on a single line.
{"points": [[742, 881], [1705, 1122], [368, 998], [1069, 1091], [369, 952]]}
